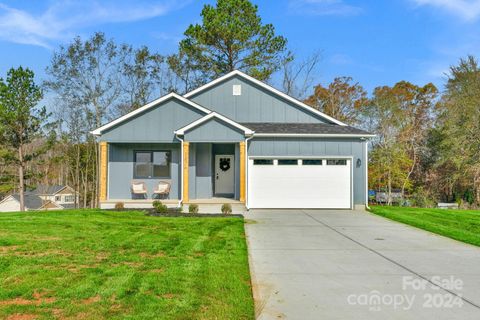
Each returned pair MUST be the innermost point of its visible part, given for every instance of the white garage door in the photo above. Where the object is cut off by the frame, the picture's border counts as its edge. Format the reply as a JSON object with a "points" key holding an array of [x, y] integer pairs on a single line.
{"points": [[299, 183]]}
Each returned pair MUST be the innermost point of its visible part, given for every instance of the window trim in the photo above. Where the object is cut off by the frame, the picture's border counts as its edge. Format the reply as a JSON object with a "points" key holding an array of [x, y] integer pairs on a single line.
{"points": [[151, 162], [69, 201]]}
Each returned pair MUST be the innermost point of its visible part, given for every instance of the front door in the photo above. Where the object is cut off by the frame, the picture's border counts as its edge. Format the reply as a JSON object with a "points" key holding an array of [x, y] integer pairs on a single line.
{"points": [[224, 175]]}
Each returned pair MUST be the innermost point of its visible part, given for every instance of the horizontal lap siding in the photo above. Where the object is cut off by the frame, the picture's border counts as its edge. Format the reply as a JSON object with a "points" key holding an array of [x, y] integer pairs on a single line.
{"points": [[317, 147], [255, 104], [120, 173], [155, 125]]}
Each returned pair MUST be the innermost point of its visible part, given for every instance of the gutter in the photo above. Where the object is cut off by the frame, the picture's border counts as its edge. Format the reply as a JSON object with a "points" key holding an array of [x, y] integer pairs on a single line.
{"points": [[246, 171], [314, 135], [366, 175], [179, 205]]}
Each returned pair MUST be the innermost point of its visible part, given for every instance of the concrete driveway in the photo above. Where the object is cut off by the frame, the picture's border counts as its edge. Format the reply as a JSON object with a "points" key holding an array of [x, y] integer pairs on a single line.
{"points": [[355, 265]]}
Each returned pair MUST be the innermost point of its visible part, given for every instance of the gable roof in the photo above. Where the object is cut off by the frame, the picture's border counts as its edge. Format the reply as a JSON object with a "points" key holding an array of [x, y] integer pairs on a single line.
{"points": [[133, 113], [267, 87], [42, 189], [212, 115], [32, 201], [307, 129]]}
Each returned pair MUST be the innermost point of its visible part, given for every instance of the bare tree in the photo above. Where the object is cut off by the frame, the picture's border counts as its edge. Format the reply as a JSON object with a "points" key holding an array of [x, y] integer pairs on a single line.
{"points": [[298, 75]]}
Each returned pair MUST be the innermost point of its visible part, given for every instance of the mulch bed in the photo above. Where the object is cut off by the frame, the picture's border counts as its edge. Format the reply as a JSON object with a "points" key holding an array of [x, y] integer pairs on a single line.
{"points": [[174, 213]]}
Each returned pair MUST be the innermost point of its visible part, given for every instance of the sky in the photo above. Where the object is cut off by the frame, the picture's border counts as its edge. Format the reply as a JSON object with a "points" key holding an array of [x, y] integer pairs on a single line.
{"points": [[377, 42]]}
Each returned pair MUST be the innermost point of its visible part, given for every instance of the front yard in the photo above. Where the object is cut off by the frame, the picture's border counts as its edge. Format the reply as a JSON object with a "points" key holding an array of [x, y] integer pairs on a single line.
{"points": [[92, 264], [462, 225]]}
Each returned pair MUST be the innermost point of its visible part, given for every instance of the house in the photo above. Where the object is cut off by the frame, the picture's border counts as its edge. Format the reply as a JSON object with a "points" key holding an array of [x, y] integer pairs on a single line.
{"points": [[42, 198], [236, 139]]}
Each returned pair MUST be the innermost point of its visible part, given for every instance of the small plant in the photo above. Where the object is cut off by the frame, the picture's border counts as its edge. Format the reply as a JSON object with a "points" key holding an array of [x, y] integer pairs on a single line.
{"points": [[226, 208], [119, 206], [160, 207], [193, 208]]}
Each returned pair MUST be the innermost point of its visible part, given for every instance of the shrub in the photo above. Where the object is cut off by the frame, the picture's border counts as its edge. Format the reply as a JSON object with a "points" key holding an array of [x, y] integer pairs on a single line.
{"points": [[119, 206], [226, 208], [160, 207], [422, 199], [193, 208]]}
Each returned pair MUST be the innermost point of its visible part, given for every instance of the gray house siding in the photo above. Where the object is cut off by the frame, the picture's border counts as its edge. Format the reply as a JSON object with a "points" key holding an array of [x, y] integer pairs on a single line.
{"points": [[120, 171], [317, 147], [214, 130], [154, 125], [201, 168], [255, 104]]}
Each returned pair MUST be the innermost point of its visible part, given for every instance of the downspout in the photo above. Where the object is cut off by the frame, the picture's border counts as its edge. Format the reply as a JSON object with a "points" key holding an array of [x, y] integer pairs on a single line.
{"points": [[246, 171], [179, 205], [366, 175]]}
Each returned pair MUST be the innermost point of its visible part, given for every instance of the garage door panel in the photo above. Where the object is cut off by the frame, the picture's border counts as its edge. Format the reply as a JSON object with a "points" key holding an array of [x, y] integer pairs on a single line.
{"points": [[299, 186]]}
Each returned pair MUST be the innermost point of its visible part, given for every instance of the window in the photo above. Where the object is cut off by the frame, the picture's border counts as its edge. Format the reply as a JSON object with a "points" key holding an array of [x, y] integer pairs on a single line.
{"points": [[287, 162], [58, 198], [337, 162], [257, 162], [70, 198], [152, 164], [312, 162]]}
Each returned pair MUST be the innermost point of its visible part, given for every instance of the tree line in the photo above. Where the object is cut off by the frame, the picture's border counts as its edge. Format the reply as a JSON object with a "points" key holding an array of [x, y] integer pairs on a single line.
{"points": [[427, 144]]}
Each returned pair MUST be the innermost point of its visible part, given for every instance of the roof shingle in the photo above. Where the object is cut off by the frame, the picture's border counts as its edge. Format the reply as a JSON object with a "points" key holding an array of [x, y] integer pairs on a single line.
{"points": [[302, 128]]}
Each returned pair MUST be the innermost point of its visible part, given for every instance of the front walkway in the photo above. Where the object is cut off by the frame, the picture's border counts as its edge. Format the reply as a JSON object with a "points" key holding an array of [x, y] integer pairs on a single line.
{"points": [[333, 264]]}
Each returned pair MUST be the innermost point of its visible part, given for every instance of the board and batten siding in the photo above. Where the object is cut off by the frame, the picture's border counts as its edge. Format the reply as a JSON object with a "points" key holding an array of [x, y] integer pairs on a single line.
{"points": [[120, 171], [297, 147], [214, 130], [154, 125], [201, 168], [255, 104]]}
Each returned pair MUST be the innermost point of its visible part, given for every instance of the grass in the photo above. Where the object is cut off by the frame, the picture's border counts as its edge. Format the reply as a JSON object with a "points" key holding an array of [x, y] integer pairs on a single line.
{"points": [[92, 264], [462, 225]]}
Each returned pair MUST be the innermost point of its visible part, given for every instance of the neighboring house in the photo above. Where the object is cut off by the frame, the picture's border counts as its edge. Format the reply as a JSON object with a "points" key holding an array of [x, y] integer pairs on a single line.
{"points": [[42, 198], [239, 138], [59, 194]]}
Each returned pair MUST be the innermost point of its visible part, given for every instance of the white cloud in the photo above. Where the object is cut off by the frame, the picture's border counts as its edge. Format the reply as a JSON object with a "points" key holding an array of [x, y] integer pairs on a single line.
{"points": [[468, 10], [324, 7], [62, 19]]}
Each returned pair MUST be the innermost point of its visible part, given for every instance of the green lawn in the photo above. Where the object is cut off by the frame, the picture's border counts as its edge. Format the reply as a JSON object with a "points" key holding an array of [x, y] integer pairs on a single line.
{"points": [[92, 264], [462, 225]]}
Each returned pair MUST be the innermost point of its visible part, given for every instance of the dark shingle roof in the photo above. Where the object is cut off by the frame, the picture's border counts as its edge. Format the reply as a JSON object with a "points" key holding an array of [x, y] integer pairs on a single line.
{"points": [[302, 128], [44, 189], [32, 201]]}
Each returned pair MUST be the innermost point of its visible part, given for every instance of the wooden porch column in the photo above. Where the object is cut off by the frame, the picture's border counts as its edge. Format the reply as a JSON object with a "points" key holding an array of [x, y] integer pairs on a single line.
{"points": [[242, 171], [103, 172], [186, 157]]}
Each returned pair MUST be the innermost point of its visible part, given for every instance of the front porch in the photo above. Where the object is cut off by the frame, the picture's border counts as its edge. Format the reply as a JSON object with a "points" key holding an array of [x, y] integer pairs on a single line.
{"points": [[211, 205], [204, 173]]}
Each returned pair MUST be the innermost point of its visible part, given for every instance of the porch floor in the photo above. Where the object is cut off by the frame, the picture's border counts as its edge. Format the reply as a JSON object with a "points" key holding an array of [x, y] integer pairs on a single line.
{"points": [[212, 205], [213, 201]]}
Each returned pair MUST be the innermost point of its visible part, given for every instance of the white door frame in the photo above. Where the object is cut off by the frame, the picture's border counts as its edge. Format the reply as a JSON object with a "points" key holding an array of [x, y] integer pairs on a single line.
{"points": [[232, 170], [303, 157]]}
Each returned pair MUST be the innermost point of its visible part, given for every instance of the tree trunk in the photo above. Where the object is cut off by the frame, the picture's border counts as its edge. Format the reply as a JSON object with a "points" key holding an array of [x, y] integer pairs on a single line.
{"points": [[389, 185], [97, 182], [412, 168], [21, 185], [77, 175]]}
